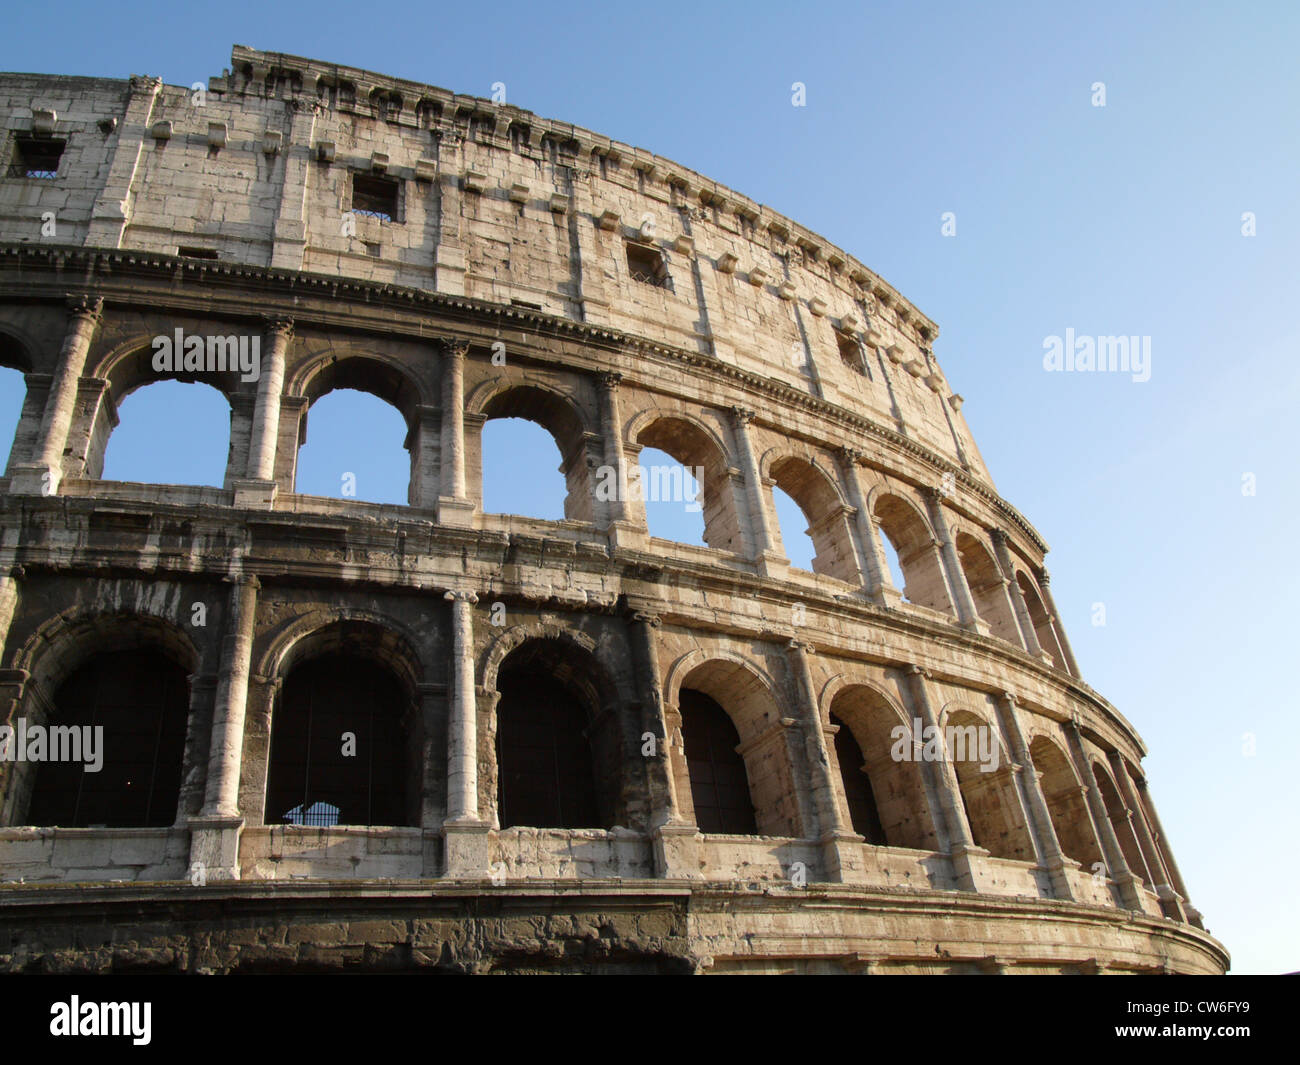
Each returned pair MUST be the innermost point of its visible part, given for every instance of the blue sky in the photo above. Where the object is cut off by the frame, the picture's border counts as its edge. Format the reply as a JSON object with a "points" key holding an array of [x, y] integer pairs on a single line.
{"points": [[1117, 220]]}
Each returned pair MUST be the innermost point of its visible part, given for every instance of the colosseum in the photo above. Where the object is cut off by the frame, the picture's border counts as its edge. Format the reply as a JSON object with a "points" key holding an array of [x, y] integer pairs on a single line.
{"points": [[380, 738]]}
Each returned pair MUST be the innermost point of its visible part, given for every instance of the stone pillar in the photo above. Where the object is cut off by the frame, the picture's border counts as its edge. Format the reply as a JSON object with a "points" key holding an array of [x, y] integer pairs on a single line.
{"points": [[465, 836], [289, 231], [611, 424], [943, 779], [1148, 807], [1120, 874], [760, 521], [214, 834], [1020, 608], [42, 475], [836, 833], [454, 505], [9, 591], [874, 567], [110, 214], [963, 601], [258, 488], [1161, 882], [1042, 830], [1045, 582]]}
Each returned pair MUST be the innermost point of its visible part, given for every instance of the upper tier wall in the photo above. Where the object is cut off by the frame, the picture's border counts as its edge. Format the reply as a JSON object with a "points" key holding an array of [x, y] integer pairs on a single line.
{"points": [[491, 203]]}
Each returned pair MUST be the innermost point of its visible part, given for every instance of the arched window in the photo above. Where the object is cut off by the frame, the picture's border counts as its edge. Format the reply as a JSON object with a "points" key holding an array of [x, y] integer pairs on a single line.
{"points": [[355, 448], [559, 757], [676, 452], [861, 800], [751, 721], [1065, 803], [1117, 812], [795, 538], [820, 507], [988, 788], [338, 746], [897, 788], [128, 709], [13, 393], [1041, 620], [909, 535], [522, 471], [170, 432], [988, 588], [518, 459], [719, 784]]}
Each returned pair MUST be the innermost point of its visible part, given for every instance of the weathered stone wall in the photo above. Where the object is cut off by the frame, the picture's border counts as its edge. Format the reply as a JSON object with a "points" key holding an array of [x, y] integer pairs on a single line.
{"points": [[510, 239]]}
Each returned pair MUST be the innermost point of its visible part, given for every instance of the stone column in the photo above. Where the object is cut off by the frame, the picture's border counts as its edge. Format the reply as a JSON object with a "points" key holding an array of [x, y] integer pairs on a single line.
{"points": [[836, 833], [454, 505], [611, 424], [874, 567], [214, 834], [1045, 582], [464, 835], [42, 475], [266, 416], [963, 601], [1042, 830], [1116, 865], [258, 487], [760, 521], [9, 591], [943, 779], [1148, 807], [1161, 882], [1019, 607]]}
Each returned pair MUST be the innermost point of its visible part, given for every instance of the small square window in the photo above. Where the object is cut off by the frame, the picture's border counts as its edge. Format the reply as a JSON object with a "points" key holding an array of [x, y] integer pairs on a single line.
{"points": [[374, 197], [851, 352], [36, 157], [196, 253], [646, 265], [372, 248]]}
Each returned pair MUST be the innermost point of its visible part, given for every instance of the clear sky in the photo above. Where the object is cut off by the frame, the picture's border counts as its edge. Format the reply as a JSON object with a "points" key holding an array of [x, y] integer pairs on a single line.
{"points": [[1123, 219]]}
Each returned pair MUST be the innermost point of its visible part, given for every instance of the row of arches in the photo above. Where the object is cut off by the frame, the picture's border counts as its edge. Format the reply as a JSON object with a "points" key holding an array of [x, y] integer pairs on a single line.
{"points": [[352, 742], [688, 475]]}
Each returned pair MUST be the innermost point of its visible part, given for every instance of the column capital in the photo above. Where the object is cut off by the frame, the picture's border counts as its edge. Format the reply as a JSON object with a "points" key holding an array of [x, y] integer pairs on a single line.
{"points": [[933, 493], [646, 618], [85, 306], [918, 671], [1044, 578], [243, 580], [453, 347], [803, 646], [278, 325], [609, 380], [999, 536], [453, 595], [1009, 698], [850, 455], [742, 415]]}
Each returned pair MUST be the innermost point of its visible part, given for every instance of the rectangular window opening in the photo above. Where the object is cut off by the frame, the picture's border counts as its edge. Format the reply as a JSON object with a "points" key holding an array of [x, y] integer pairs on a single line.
{"points": [[374, 197], [196, 253], [36, 157], [646, 265]]}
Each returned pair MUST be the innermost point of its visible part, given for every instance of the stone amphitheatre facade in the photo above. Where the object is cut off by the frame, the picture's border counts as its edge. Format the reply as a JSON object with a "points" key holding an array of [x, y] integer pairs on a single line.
{"points": [[576, 748]]}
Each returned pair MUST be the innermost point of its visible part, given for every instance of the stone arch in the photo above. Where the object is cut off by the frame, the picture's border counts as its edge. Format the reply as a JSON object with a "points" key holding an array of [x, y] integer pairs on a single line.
{"points": [[56, 652], [557, 413], [987, 783], [694, 444], [747, 695], [360, 675], [1066, 801], [817, 491], [550, 690], [906, 527], [988, 586], [1044, 628], [1117, 812], [16, 354], [128, 367], [897, 785]]}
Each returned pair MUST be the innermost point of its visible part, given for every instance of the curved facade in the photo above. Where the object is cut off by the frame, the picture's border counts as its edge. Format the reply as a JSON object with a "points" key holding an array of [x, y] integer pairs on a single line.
{"points": [[580, 748]]}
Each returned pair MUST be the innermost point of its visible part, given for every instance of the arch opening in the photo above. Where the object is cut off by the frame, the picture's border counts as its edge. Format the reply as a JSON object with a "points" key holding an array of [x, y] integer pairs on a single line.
{"points": [[355, 449], [522, 471], [988, 588], [13, 397], [1066, 804], [678, 453], [903, 528], [559, 748], [1044, 629], [165, 435], [819, 504], [864, 815], [988, 788]]}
